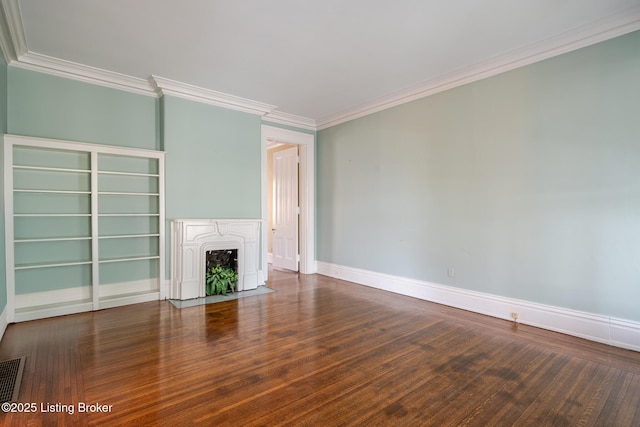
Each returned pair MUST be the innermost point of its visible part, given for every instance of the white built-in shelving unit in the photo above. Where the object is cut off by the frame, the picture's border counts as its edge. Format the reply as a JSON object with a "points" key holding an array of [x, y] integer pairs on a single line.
{"points": [[84, 226]]}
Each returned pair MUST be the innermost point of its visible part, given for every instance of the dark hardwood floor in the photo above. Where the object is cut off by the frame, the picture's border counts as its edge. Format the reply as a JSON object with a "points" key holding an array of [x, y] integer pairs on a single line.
{"points": [[321, 352]]}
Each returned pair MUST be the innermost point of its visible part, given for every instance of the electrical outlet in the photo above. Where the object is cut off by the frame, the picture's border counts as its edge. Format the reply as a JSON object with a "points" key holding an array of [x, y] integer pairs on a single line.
{"points": [[451, 272], [514, 316]]}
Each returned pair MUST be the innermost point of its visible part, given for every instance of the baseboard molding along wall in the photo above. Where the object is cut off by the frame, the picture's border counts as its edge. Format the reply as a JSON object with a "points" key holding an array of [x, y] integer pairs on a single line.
{"points": [[604, 329], [39, 305]]}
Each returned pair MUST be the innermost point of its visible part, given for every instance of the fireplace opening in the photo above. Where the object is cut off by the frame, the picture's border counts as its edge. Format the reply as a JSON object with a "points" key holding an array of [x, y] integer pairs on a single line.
{"points": [[221, 274]]}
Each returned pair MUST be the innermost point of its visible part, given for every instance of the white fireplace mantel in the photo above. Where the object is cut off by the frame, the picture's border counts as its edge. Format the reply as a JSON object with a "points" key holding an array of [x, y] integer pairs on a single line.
{"points": [[192, 238]]}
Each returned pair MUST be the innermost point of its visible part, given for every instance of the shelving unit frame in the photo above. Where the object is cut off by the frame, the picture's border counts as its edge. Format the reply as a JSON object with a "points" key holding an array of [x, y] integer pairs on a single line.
{"points": [[37, 307]]}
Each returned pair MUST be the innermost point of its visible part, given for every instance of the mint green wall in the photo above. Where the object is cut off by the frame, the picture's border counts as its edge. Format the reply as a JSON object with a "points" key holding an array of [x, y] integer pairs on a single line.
{"points": [[46, 106], [3, 129], [213, 161], [213, 154], [527, 183], [212, 164]]}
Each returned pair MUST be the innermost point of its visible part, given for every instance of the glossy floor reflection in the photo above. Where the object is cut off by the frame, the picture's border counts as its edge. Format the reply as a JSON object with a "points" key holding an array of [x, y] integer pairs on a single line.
{"points": [[317, 352]]}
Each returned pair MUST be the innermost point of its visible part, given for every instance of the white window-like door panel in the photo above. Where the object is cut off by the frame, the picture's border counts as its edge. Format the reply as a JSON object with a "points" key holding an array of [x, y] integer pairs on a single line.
{"points": [[285, 209]]}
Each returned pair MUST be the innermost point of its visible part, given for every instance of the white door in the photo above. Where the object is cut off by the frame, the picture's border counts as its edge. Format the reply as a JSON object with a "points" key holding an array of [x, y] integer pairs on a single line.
{"points": [[285, 209]]}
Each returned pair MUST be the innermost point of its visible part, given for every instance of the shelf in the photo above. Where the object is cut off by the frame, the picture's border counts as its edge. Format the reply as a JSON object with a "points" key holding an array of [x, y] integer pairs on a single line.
{"points": [[18, 190], [127, 236], [59, 264], [42, 168], [128, 173], [125, 214], [51, 239], [61, 196], [51, 215], [106, 261], [129, 193]]}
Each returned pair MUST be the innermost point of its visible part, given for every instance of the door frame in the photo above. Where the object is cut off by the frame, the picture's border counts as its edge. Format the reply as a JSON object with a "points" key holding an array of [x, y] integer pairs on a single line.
{"points": [[306, 188]]}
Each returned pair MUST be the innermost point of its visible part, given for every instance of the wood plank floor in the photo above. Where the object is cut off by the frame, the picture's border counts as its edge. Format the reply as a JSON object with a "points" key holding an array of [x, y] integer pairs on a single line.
{"points": [[318, 351]]}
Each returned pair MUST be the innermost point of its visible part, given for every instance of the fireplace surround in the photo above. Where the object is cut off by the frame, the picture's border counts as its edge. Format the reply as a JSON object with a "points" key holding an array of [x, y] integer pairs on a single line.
{"points": [[192, 238]]}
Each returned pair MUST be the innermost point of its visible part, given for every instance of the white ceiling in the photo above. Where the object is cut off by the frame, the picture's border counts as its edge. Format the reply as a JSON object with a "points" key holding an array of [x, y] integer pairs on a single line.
{"points": [[312, 58]]}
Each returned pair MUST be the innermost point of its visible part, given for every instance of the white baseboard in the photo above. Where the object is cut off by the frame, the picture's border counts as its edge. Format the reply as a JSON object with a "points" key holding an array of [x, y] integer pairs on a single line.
{"points": [[166, 283], [3, 322], [40, 305], [84, 293], [269, 258], [604, 329]]}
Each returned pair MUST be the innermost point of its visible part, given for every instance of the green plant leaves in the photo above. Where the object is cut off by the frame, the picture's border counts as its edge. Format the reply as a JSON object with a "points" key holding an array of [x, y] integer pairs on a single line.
{"points": [[220, 279]]}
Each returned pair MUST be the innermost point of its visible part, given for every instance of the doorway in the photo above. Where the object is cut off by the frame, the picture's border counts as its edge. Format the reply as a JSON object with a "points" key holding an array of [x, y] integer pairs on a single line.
{"points": [[282, 206], [272, 135]]}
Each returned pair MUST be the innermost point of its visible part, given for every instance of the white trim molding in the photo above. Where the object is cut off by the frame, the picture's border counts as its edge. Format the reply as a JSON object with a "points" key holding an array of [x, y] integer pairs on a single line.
{"points": [[192, 238], [84, 73], [6, 41], [290, 120], [595, 327], [40, 305], [306, 142], [596, 32], [15, 49], [3, 322], [164, 86], [13, 16]]}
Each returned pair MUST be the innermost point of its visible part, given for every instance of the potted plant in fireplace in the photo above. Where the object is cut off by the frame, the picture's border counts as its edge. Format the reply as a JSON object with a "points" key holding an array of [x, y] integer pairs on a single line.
{"points": [[220, 279]]}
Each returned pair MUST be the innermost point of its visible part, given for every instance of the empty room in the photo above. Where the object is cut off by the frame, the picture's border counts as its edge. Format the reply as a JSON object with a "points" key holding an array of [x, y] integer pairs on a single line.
{"points": [[331, 213]]}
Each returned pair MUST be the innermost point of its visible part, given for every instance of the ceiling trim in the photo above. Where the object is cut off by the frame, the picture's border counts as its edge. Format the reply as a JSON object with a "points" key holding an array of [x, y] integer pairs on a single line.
{"points": [[290, 120], [164, 86], [84, 73], [14, 48], [13, 18], [6, 45], [599, 31]]}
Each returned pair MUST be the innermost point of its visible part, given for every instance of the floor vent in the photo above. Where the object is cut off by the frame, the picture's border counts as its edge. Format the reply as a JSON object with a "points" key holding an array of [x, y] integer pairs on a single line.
{"points": [[10, 377]]}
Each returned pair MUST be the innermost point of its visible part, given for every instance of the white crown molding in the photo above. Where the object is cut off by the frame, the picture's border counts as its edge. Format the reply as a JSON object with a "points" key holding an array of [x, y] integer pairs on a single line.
{"points": [[6, 43], [595, 327], [15, 50], [165, 86], [599, 31], [84, 73], [13, 17], [290, 120]]}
